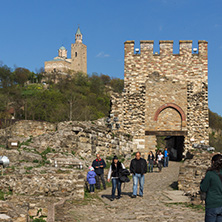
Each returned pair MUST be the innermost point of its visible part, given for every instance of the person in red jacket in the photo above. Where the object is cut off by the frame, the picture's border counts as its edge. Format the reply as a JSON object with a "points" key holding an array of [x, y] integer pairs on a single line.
{"points": [[99, 165]]}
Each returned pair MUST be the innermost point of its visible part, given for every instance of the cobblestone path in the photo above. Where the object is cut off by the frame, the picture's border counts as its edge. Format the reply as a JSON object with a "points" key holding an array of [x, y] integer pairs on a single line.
{"points": [[151, 207]]}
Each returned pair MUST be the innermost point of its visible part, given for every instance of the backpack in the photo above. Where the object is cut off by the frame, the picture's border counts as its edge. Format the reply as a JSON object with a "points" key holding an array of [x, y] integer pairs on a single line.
{"points": [[123, 175]]}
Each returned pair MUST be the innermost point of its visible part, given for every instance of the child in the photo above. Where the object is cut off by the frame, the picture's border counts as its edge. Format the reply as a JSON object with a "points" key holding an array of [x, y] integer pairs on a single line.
{"points": [[91, 179]]}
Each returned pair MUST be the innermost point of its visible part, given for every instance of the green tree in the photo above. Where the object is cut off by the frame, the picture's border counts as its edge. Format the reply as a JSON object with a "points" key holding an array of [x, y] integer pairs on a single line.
{"points": [[105, 79], [6, 76], [117, 85], [22, 75]]}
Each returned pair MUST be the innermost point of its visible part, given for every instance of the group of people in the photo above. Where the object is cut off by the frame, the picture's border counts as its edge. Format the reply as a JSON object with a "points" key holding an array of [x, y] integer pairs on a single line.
{"points": [[211, 184], [162, 160], [138, 167]]}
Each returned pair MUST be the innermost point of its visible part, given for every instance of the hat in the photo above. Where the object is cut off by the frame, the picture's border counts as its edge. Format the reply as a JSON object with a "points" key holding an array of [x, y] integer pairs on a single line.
{"points": [[115, 158], [91, 168]]}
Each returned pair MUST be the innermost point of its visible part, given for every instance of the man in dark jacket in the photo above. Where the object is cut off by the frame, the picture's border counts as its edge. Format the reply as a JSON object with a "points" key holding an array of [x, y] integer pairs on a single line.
{"points": [[138, 167], [99, 165]]}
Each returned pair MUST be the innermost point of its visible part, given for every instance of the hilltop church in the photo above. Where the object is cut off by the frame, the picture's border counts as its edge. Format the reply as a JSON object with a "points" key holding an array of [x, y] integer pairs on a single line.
{"points": [[77, 62]]}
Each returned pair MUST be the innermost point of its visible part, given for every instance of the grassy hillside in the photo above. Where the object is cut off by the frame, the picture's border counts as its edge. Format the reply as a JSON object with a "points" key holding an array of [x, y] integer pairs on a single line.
{"points": [[215, 121], [81, 98]]}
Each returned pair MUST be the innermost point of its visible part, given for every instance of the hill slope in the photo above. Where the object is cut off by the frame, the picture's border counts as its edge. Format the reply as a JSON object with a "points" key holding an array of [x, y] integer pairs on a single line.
{"points": [[215, 134]]}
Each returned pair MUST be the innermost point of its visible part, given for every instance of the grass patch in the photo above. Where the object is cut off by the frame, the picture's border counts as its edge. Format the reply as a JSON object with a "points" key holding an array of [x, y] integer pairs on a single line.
{"points": [[27, 149], [88, 196], [45, 152], [28, 168], [38, 220], [26, 143], [133, 154], [198, 207], [2, 194], [63, 171], [109, 158], [108, 165]]}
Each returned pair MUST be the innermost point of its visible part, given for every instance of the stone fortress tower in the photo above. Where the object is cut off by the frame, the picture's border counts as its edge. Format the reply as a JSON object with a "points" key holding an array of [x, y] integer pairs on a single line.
{"points": [[78, 61], [165, 94]]}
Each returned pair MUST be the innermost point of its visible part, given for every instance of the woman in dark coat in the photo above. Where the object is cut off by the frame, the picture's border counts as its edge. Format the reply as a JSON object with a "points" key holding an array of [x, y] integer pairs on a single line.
{"points": [[114, 170], [150, 161], [212, 185]]}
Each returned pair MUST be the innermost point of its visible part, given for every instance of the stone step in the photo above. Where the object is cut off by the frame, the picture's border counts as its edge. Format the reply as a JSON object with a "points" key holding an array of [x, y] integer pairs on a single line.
{"points": [[175, 196]]}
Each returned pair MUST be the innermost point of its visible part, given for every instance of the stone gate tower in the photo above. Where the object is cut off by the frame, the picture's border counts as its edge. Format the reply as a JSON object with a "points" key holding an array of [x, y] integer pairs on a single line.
{"points": [[165, 94]]}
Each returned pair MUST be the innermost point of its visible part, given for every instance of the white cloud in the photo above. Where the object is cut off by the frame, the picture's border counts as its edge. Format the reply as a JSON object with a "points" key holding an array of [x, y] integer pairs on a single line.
{"points": [[102, 55]]}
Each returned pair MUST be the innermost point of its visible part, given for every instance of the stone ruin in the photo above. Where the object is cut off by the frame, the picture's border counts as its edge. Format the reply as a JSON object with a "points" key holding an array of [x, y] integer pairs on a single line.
{"points": [[164, 94], [48, 163]]}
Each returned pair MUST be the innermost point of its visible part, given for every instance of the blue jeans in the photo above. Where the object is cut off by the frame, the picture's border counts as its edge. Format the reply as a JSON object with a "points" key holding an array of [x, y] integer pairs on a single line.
{"points": [[138, 177], [150, 166], [116, 183], [91, 188], [213, 214], [166, 161]]}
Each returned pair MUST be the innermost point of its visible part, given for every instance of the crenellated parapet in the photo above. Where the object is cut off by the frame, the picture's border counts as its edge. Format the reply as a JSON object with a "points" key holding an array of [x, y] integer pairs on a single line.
{"points": [[166, 47]]}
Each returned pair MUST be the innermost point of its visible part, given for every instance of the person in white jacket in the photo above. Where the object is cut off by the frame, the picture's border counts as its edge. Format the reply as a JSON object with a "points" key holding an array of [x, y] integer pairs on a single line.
{"points": [[114, 170]]}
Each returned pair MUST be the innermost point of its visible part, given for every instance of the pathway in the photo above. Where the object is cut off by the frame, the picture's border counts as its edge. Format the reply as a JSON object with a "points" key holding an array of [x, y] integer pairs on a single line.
{"points": [[152, 207]]}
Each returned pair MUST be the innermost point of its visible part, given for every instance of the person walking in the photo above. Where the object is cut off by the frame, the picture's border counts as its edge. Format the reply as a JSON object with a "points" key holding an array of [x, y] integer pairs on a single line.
{"points": [[91, 179], [150, 161], [166, 157], [114, 172], [160, 161], [157, 153], [138, 167], [99, 165], [212, 185]]}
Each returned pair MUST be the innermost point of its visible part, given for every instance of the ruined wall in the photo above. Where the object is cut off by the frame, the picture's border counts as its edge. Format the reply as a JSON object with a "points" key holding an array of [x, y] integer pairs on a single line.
{"points": [[192, 172], [177, 81], [48, 184], [82, 138]]}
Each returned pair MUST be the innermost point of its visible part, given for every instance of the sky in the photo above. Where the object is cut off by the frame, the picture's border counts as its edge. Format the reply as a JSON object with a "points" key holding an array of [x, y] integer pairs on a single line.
{"points": [[33, 30]]}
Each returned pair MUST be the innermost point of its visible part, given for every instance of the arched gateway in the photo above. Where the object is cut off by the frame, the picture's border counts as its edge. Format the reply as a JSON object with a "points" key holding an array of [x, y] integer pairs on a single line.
{"points": [[164, 94]]}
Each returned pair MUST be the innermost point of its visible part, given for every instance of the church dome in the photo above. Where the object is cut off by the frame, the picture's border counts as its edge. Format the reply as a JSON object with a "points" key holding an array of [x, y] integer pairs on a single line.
{"points": [[62, 48]]}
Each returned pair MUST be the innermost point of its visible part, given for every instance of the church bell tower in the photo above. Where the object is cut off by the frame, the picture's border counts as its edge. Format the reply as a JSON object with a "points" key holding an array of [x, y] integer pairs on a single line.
{"points": [[79, 54]]}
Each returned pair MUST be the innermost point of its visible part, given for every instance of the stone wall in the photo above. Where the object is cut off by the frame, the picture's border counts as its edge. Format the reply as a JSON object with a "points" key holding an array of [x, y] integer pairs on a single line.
{"points": [[164, 94], [47, 184], [84, 139], [59, 65], [26, 128], [193, 171]]}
